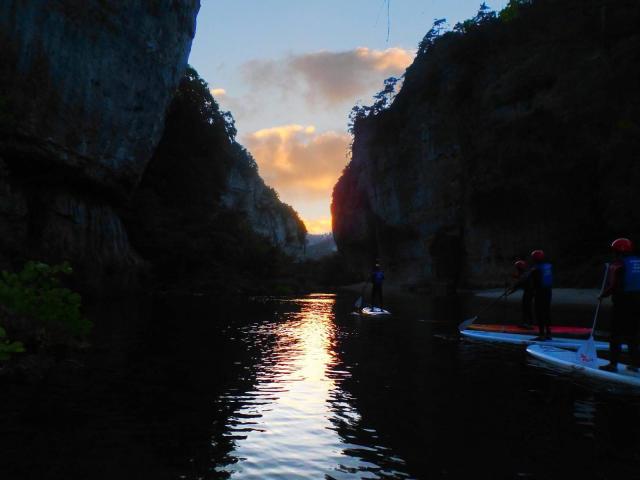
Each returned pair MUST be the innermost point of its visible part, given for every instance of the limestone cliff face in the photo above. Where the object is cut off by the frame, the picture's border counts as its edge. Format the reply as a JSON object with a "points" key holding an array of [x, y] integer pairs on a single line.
{"points": [[84, 89], [246, 192], [202, 215], [87, 82], [508, 135]]}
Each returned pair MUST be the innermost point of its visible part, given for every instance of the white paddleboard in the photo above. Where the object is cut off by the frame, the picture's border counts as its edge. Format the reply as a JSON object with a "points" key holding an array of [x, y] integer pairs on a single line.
{"points": [[374, 312], [567, 360], [519, 339]]}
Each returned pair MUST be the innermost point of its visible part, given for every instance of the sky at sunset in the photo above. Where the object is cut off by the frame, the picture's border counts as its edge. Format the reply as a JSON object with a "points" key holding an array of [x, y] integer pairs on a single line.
{"points": [[290, 71]]}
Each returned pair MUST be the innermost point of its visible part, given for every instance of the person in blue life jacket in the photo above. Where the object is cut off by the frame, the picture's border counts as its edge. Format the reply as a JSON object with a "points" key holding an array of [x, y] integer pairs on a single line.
{"points": [[377, 278], [542, 284], [523, 281], [623, 286]]}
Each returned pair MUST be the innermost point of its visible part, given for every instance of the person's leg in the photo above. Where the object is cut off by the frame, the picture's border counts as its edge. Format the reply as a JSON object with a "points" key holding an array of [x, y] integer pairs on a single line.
{"points": [[527, 315], [615, 342], [539, 309], [375, 296], [381, 299], [614, 348], [547, 314]]}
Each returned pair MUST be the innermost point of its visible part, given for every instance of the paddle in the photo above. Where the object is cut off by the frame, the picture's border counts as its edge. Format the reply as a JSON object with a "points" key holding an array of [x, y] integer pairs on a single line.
{"points": [[467, 323], [587, 353], [358, 303]]}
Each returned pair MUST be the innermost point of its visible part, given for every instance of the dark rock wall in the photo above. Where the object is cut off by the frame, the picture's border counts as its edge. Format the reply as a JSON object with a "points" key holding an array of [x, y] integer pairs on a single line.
{"points": [[90, 174], [514, 135], [84, 86], [89, 81], [202, 215], [246, 192]]}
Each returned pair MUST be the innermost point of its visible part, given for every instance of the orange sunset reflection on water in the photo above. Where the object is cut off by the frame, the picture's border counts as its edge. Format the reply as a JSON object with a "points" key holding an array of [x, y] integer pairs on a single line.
{"points": [[292, 424]]}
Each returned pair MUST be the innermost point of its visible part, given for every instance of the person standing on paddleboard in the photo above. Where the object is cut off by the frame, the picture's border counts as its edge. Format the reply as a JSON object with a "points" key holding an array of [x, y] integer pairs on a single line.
{"points": [[623, 286], [542, 283], [524, 282], [377, 278]]}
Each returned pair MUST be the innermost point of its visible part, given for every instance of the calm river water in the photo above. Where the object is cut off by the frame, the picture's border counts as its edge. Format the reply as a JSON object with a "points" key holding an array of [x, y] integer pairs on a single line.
{"points": [[301, 389]]}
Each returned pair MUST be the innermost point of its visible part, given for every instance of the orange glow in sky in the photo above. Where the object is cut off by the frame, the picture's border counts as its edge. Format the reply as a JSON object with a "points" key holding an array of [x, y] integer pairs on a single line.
{"points": [[318, 225]]}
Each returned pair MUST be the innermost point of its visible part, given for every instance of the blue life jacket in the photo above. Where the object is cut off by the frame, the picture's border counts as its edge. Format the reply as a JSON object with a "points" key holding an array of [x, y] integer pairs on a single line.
{"points": [[631, 274], [546, 275], [378, 277]]}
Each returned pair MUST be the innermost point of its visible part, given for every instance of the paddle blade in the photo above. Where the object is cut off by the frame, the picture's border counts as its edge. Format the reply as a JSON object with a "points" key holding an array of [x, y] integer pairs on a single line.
{"points": [[467, 323], [587, 354], [358, 303]]}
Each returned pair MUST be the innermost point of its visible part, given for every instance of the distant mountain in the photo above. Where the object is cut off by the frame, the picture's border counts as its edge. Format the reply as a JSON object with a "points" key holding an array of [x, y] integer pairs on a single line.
{"points": [[320, 245]]}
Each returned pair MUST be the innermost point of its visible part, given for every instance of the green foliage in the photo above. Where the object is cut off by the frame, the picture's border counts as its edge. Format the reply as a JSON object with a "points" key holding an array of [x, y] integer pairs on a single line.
{"points": [[7, 347], [383, 100], [484, 15], [195, 97], [512, 10], [36, 292], [438, 28]]}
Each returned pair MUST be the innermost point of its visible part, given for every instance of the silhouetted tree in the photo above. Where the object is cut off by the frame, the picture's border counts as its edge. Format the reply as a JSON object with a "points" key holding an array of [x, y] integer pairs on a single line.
{"points": [[484, 15], [383, 100], [438, 28]]}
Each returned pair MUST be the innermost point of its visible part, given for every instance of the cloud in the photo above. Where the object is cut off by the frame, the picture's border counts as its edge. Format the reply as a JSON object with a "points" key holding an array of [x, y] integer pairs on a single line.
{"points": [[242, 108], [318, 225], [300, 163], [329, 78], [218, 92]]}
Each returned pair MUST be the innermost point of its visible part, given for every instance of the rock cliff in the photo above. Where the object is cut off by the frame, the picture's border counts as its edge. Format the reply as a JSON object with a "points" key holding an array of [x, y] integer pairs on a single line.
{"points": [[509, 133], [88, 172], [246, 192], [87, 83], [84, 86], [202, 215]]}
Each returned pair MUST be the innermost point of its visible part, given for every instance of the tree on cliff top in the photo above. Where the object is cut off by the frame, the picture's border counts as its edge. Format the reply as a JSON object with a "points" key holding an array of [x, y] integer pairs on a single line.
{"points": [[384, 98]]}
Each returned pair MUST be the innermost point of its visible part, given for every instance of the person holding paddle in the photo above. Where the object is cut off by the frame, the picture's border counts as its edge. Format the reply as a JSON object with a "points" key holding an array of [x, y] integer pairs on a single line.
{"points": [[542, 283], [623, 286], [377, 277], [523, 281]]}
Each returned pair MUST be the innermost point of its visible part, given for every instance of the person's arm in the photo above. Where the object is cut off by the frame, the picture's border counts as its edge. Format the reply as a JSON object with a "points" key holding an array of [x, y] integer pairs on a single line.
{"points": [[520, 283]]}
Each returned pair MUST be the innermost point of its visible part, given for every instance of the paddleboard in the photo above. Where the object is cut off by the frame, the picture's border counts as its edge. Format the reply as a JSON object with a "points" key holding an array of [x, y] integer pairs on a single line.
{"points": [[567, 360], [555, 329], [374, 312], [517, 339]]}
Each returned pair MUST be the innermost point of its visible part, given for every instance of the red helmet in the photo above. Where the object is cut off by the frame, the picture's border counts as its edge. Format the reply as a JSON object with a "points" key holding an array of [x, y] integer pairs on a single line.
{"points": [[622, 245], [537, 255], [521, 265]]}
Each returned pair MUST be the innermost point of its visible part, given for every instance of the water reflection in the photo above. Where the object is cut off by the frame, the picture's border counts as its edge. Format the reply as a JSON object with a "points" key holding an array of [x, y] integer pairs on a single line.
{"points": [[296, 421]]}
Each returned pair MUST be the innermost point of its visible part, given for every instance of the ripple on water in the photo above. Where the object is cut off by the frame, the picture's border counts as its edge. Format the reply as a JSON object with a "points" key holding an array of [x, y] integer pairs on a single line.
{"points": [[296, 421]]}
